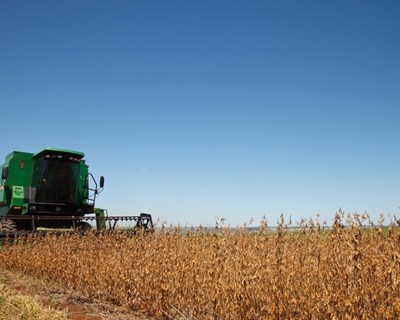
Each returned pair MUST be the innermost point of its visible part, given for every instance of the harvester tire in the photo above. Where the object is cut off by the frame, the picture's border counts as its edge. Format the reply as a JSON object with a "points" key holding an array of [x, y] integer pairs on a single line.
{"points": [[83, 226], [7, 226]]}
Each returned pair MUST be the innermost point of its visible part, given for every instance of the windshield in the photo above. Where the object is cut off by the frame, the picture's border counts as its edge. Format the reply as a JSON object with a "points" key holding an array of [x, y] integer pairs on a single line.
{"points": [[57, 182]]}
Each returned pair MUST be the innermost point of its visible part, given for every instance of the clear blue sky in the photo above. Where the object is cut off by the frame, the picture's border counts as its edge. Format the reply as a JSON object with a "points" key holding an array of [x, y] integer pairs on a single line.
{"points": [[194, 110]]}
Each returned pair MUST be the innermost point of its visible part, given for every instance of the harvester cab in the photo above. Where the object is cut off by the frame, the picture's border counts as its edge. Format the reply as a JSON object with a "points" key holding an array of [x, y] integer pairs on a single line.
{"points": [[50, 189]]}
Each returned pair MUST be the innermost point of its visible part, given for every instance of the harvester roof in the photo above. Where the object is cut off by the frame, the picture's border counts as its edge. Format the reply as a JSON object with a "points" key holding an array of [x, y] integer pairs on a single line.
{"points": [[49, 150]]}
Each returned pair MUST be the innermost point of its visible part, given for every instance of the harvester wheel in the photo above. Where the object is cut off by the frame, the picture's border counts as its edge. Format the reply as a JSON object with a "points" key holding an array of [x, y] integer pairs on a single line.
{"points": [[7, 226], [83, 226]]}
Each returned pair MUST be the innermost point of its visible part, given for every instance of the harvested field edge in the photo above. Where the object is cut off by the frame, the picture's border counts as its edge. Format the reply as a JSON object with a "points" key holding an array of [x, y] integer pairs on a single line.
{"points": [[14, 305], [40, 298]]}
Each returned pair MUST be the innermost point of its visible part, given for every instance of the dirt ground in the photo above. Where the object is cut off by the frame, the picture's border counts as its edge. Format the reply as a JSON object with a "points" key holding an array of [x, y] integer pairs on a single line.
{"points": [[61, 298]]}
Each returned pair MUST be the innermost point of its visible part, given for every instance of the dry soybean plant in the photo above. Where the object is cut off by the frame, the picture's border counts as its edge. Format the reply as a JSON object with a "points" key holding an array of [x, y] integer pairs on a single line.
{"points": [[351, 271]]}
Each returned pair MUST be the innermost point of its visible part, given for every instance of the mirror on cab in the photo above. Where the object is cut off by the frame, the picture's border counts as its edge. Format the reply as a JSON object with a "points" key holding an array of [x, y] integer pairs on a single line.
{"points": [[4, 173], [101, 182]]}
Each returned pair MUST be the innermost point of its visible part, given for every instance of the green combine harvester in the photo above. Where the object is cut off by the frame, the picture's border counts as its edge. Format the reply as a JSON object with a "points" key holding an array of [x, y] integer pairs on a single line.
{"points": [[53, 189]]}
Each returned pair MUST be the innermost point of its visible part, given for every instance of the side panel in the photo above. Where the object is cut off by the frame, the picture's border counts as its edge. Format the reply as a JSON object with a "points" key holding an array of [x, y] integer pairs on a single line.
{"points": [[19, 169], [19, 174], [83, 184]]}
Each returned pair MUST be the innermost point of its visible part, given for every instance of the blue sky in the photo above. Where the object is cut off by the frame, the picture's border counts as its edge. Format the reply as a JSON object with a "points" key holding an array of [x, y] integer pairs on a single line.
{"points": [[194, 110]]}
